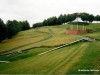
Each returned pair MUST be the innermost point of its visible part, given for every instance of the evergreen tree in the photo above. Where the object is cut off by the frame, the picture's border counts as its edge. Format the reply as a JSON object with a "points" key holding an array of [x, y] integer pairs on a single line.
{"points": [[69, 18], [37, 25], [60, 19], [12, 30], [25, 25], [3, 30], [17, 25]]}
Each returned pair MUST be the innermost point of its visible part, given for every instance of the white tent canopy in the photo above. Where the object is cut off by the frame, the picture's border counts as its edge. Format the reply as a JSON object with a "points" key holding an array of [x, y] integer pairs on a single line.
{"points": [[78, 19]]}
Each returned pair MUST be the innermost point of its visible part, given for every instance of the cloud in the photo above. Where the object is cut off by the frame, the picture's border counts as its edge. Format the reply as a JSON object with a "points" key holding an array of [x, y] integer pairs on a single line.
{"points": [[38, 10]]}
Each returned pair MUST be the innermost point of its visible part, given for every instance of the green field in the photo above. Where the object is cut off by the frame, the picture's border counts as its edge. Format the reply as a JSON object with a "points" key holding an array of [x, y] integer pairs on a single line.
{"points": [[63, 61]]}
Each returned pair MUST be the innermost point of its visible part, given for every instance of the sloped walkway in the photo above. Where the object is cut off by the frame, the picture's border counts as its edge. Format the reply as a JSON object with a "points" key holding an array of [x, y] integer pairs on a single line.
{"points": [[77, 41]]}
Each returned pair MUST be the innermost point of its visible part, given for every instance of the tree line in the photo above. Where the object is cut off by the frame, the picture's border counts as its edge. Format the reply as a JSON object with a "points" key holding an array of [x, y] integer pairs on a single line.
{"points": [[67, 18], [11, 28]]}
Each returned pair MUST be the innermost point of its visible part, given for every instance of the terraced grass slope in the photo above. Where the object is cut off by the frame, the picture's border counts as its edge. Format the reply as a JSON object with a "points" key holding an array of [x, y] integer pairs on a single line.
{"points": [[67, 60]]}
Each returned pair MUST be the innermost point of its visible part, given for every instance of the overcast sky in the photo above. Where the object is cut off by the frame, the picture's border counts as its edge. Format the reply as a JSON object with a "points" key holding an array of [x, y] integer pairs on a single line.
{"points": [[38, 10]]}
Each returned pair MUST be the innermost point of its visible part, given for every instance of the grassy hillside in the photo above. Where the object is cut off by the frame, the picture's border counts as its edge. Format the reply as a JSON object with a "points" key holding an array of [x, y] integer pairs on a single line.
{"points": [[67, 60]]}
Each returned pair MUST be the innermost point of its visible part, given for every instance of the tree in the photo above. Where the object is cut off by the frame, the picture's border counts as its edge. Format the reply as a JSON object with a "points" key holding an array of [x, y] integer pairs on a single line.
{"points": [[91, 18], [45, 23], [37, 25], [24, 25], [84, 16], [17, 25], [3, 30], [64, 18], [97, 18], [60, 19], [50, 21], [12, 29], [69, 18]]}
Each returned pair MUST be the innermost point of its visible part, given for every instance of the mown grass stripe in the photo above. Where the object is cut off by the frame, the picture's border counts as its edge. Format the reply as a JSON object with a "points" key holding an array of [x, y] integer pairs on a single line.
{"points": [[69, 57], [75, 58]]}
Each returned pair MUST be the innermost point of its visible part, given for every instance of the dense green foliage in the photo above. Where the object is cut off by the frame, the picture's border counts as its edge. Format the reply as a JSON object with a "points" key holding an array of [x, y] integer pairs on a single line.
{"points": [[24, 25], [67, 18], [11, 28], [38, 25], [97, 18], [3, 31]]}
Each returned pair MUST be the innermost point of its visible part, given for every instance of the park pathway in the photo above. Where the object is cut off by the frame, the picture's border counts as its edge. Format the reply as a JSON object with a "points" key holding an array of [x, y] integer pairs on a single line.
{"points": [[74, 42]]}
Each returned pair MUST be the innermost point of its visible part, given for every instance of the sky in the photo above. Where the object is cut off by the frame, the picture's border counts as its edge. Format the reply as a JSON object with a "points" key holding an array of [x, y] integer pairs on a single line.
{"points": [[38, 10]]}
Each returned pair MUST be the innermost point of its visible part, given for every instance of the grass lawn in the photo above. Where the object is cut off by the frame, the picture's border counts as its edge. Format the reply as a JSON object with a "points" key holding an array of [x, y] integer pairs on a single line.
{"points": [[67, 60], [16, 42], [89, 61], [46, 64]]}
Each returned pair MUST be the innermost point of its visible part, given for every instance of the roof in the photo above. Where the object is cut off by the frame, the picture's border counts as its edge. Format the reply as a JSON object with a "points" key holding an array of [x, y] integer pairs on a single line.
{"points": [[78, 19]]}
